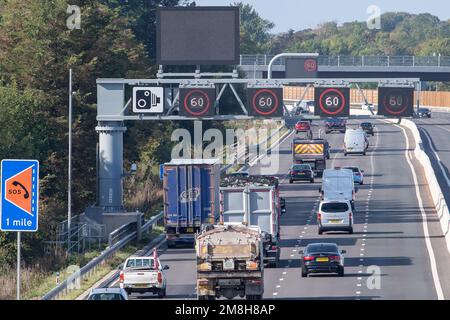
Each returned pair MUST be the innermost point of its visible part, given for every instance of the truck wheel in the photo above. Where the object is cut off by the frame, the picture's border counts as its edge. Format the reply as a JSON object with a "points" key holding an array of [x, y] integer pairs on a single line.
{"points": [[291, 181], [128, 291], [320, 231]]}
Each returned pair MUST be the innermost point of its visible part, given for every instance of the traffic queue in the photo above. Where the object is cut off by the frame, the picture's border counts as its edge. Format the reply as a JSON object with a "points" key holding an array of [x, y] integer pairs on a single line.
{"points": [[233, 220], [337, 192]]}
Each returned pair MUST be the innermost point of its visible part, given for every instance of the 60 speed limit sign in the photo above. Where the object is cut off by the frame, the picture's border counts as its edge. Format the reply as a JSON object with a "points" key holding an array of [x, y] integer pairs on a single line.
{"points": [[395, 102], [265, 102], [196, 102], [332, 102]]}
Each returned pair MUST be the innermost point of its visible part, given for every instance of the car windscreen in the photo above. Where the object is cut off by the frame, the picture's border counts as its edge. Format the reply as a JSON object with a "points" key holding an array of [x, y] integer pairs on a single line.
{"points": [[325, 248], [352, 168], [366, 125], [140, 263], [301, 167], [334, 207], [106, 296]]}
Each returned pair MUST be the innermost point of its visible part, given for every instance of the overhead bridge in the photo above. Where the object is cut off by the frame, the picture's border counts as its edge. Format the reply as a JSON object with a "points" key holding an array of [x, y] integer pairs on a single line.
{"points": [[426, 68]]}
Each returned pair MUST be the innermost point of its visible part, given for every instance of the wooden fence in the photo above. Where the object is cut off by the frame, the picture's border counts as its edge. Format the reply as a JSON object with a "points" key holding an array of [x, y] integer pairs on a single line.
{"points": [[427, 98]]}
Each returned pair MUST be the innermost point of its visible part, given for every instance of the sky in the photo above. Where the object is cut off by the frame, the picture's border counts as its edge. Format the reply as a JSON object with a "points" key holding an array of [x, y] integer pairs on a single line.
{"points": [[300, 14]]}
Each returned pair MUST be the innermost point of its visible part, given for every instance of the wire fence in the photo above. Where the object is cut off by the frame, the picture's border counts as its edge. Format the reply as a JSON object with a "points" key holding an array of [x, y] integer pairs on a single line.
{"points": [[355, 61]]}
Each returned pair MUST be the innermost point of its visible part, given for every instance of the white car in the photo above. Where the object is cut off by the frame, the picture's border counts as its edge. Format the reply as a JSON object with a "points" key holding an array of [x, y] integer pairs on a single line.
{"points": [[335, 215], [108, 294]]}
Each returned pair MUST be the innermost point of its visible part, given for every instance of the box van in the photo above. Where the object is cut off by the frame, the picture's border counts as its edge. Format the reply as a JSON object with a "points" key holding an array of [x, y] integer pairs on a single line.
{"points": [[355, 141], [338, 185], [335, 215]]}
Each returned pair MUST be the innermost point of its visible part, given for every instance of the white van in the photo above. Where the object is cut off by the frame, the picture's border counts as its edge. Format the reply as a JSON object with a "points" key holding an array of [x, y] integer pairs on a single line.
{"points": [[338, 185], [335, 215], [355, 141]]}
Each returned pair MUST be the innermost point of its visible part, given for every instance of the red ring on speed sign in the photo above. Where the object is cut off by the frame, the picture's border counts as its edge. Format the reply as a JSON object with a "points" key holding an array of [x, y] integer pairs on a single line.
{"points": [[340, 94], [387, 106], [310, 65], [208, 104], [275, 98]]}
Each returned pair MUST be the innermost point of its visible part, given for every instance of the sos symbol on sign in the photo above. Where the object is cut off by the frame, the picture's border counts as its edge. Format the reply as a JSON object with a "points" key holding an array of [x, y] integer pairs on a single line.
{"points": [[396, 102], [197, 102], [332, 102], [265, 102]]}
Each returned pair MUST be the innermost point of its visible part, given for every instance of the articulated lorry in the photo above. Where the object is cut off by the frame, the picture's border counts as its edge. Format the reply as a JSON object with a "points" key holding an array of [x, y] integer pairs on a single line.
{"points": [[191, 198], [314, 152], [229, 262], [254, 201]]}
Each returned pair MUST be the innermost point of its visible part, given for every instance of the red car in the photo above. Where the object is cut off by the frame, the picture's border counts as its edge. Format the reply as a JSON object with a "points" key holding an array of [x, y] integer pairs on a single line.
{"points": [[302, 126]]}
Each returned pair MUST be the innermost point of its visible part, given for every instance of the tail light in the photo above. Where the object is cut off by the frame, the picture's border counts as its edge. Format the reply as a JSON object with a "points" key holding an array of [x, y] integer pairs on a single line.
{"points": [[203, 282], [251, 265], [273, 248], [336, 258], [121, 277], [350, 215], [357, 174], [308, 258], [255, 281], [319, 216], [160, 277]]}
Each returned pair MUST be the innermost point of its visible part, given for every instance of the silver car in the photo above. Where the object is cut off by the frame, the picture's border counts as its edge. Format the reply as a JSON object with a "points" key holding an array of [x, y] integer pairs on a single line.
{"points": [[108, 294]]}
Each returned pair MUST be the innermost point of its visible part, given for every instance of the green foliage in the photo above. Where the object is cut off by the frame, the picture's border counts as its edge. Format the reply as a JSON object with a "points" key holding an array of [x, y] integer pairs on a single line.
{"points": [[254, 30], [400, 34]]}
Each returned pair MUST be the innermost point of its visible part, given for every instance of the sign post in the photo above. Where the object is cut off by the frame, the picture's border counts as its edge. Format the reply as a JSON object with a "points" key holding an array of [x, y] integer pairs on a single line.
{"points": [[19, 200]]}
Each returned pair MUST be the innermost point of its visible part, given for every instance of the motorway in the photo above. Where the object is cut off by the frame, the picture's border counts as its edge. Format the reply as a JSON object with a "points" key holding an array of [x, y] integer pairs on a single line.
{"points": [[389, 235]]}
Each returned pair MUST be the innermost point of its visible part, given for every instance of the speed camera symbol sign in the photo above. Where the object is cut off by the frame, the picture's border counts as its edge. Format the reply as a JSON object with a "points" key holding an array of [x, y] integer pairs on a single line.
{"points": [[148, 100]]}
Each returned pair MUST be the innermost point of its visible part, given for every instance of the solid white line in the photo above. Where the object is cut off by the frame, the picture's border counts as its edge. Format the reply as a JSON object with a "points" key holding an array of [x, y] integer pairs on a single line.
{"points": [[434, 272]]}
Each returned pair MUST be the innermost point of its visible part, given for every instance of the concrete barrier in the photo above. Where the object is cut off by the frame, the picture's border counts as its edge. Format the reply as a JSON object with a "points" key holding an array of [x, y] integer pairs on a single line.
{"points": [[435, 189]]}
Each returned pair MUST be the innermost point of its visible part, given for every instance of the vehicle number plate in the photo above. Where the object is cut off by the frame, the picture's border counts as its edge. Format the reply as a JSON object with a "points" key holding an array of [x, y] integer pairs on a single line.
{"points": [[190, 230], [322, 259], [335, 221]]}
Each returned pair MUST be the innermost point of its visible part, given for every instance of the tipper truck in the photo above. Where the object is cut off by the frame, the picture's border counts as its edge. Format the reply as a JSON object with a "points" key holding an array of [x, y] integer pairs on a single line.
{"points": [[314, 152], [191, 198], [254, 201], [229, 262]]}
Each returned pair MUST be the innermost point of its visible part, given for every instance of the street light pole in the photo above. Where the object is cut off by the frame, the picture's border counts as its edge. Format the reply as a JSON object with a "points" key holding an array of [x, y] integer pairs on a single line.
{"points": [[69, 187]]}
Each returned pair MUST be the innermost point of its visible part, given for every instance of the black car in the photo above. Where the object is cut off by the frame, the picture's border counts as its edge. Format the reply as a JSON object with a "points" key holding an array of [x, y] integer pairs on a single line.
{"points": [[301, 172], [424, 112], [367, 127], [322, 258], [335, 124]]}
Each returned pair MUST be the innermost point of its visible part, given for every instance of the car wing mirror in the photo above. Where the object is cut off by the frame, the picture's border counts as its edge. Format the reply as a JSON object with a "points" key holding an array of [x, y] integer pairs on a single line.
{"points": [[300, 252], [343, 251], [166, 267]]}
